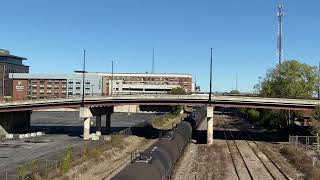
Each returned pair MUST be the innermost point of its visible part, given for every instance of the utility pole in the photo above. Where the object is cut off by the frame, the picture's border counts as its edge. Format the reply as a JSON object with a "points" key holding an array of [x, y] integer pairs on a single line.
{"points": [[152, 68], [210, 75], [280, 15]]}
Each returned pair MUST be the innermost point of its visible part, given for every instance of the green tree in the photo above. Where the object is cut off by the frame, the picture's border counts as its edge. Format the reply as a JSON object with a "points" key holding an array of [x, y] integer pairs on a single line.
{"points": [[316, 121], [292, 80], [177, 91]]}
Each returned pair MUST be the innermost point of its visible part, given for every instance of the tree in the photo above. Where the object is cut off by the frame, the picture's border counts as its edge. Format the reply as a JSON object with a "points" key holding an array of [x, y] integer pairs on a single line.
{"points": [[316, 120], [177, 91], [293, 80]]}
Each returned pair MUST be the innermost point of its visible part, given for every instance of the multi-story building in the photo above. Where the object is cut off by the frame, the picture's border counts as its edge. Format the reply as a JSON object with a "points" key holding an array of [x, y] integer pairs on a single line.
{"points": [[9, 64], [124, 83], [46, 86]]}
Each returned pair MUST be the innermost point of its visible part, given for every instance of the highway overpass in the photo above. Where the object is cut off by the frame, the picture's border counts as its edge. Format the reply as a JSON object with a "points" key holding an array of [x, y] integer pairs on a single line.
{"points": [[192, 100], [15, 116]]}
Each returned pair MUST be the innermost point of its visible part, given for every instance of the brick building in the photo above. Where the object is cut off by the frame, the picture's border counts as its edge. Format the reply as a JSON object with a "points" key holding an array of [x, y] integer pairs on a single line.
{"points": [[9, 64], [46, 86], [124, 83]]}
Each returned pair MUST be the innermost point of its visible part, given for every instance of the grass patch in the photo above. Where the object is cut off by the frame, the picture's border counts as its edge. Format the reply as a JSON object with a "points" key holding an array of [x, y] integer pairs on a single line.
{"points": [[29, 167], [301, 161], [167, 121], [70, 160]]}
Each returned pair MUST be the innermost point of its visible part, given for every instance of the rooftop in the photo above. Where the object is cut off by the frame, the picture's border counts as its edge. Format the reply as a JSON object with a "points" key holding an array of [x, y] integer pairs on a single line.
{"points": [[6, 53]]}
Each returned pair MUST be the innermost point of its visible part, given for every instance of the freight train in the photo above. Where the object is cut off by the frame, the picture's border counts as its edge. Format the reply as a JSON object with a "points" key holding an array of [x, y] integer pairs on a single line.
{"points": [[157, 161]]}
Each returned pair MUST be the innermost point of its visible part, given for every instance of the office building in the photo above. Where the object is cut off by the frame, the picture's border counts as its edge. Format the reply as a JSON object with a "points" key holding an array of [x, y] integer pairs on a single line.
{"points": [[9, 64]]}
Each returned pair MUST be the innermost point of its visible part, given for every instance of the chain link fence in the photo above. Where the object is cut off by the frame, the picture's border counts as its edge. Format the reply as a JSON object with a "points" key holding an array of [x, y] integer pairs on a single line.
{"points": [[306, 142]]}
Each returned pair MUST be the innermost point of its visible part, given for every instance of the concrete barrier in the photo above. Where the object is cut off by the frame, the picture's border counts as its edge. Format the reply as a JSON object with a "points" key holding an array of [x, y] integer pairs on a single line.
{"points": [[39, 133], [21, 136], [9, 136], [33, 134], [27, 135]]}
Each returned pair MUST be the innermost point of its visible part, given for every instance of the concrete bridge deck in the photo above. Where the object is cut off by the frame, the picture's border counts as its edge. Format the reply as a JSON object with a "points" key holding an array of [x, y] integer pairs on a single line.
{"points": [[193, 100]]}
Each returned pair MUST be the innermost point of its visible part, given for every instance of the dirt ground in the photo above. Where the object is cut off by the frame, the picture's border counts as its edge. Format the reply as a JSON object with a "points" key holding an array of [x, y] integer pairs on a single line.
{"points": [[217, 161]]}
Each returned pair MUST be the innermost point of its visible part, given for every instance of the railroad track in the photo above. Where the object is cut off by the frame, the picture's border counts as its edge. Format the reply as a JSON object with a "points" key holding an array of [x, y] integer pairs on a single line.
{"points": [[234, 150]]}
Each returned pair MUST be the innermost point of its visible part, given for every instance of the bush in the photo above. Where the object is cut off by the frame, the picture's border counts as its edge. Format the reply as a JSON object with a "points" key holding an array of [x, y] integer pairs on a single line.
{"points": [[253, 115]]}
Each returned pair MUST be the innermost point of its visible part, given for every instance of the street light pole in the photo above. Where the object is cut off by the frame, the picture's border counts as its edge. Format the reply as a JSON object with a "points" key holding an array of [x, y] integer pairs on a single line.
{"points": [[111, 77], [210, 75], [83, 77]]}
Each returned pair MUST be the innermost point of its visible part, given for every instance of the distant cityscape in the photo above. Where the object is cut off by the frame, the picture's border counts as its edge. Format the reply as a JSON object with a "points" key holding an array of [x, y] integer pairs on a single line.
{"points": [[18, 84]]}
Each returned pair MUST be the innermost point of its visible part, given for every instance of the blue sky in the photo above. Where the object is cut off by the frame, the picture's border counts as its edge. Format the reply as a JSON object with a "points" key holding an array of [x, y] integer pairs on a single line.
{"points": [[53, 34]]}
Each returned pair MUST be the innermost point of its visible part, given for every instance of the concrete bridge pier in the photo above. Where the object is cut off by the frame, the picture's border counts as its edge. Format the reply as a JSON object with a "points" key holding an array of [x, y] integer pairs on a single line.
{"points": [[210, 124], [98, 124], [108, 123], [85, 114]]}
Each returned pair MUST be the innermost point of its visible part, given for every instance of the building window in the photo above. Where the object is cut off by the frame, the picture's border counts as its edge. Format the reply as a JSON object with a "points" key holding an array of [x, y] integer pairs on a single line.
{"points": [[70, 81], [87, 81], [34, 91], [77, 87], [49, 81], [78, 81], [56, 92], [41, 91], [64, 82], [70, 93], [70, 86], [41, 86], [34, 81], [49, 86], [87, 86], [42, 81], [49, 92], [64, 86], [56, 86], [63, 92]]}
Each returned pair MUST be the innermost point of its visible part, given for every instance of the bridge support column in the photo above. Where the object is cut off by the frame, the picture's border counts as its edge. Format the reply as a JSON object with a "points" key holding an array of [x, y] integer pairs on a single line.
{"points": [[108, 123], [98, 124], [210, 124], [86, 115]]}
